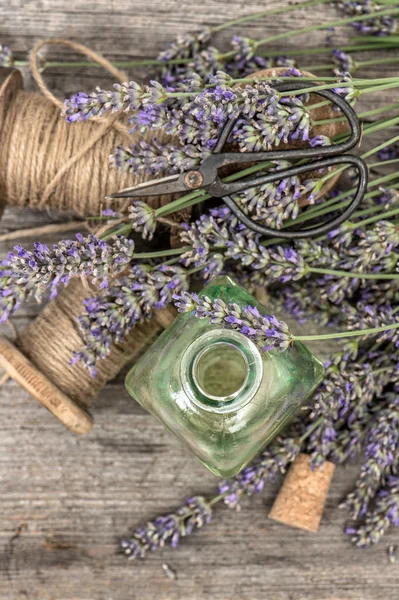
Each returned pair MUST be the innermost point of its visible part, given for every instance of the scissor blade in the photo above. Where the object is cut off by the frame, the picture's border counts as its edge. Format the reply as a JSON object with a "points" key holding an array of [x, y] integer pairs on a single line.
{"points": [[156, 187]]}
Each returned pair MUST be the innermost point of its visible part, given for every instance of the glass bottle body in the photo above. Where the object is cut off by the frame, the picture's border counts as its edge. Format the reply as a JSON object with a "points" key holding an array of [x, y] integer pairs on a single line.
{"points": [[216, 391]]}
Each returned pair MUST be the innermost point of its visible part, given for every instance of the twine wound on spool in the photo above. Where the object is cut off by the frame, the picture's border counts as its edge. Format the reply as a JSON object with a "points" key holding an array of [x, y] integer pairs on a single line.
{"points": [[39, 360], [301, 499], [48, 163]]}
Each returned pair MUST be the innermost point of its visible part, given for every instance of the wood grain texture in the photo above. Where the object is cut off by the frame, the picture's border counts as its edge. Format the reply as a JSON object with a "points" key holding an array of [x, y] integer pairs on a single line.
{"points": [[64, 501]]}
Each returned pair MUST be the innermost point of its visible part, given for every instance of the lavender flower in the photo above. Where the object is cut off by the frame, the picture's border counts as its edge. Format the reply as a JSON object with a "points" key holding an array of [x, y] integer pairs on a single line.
{"points": [[116, 310], [6, 57], [185, 45], [265, 330], [377, 244], [143, 218], [376, 25], [141, 157], [154, 158], [112, 214], [349, 92], [274, 203], [367, 316], [188, 46], [272, 461], [388, 197], [243, 47], [195, 113], [124, 97], [32, 272], [345, 62], [168, 529], [377, 521], [389, 152], [197, 511], [201, 236], [382, 444]]}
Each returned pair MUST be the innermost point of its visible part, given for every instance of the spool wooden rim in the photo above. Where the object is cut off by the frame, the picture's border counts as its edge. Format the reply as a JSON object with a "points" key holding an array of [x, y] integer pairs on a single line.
{"points": [[10, 83], [20, 368]]}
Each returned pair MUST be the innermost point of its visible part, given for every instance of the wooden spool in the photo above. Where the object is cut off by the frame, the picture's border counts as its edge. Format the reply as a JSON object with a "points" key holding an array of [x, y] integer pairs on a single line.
{"points": [[41, 365], [32, 361]]}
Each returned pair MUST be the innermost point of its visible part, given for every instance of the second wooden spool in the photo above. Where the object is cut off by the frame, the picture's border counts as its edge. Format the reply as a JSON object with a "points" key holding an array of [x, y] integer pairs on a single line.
{"points": [[39, 359]]}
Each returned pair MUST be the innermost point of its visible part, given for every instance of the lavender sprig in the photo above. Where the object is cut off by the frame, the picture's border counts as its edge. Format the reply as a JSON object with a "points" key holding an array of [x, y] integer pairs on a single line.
{"points": [[379, 26], [379, 519], [154, 157], [382, 459], [344, 61], [251, 480], [265, 330], [168, 529], [33, 272], [142, 218], [130, 300], [197, 511], [194, 111]]}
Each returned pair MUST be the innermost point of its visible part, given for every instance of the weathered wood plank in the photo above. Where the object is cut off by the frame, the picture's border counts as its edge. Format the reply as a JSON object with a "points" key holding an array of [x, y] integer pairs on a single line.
{"points": [[70, 499]]}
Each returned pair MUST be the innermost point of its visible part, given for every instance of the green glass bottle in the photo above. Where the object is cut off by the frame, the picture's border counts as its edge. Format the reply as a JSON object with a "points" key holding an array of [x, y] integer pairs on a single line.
{"points": [[216, 391]]}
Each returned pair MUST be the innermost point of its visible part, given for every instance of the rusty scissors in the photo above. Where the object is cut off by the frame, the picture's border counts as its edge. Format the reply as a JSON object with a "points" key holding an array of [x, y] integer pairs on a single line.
{"points": [[206, 177]]}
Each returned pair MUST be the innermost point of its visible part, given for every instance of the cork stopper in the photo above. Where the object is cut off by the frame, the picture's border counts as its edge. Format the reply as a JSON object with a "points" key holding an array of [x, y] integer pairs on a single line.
{"points": [[10, 83], [300, 501]]}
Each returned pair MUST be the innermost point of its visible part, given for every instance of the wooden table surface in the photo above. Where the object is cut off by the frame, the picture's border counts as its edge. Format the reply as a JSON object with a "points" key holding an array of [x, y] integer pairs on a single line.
{"points": [[65, 501]]}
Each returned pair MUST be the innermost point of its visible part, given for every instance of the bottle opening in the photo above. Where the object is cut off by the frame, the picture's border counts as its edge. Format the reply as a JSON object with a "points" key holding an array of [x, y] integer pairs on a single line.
{"points": [[220, 371]]}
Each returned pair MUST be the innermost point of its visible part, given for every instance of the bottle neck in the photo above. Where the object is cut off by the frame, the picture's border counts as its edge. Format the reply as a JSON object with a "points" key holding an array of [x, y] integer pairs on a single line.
{"points": [[221, 370]]}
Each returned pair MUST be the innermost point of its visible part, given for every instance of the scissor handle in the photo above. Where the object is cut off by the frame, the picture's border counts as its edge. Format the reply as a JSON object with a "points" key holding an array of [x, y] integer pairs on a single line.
{"points": [[322, 157], [318, 229]]}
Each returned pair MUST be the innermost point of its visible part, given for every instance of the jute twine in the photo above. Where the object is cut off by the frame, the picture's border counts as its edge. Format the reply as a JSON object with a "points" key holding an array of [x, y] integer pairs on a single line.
{"points": [[46, 162], [50, 340]]}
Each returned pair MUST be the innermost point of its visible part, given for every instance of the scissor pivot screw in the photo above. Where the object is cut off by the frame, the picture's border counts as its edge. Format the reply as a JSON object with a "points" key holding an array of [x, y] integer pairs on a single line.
{"points": [[193, 180]]}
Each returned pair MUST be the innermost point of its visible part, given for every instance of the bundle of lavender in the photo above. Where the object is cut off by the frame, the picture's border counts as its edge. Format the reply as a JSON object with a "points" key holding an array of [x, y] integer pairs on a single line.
{"points": [[347, 280]]}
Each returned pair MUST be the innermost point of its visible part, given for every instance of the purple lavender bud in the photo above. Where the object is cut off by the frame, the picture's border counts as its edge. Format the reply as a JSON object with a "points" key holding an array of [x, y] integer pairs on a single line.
{"points": [[33, 272], [6, 57], [142, 218], [168, 529], [246, 320], [129, 300]]}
